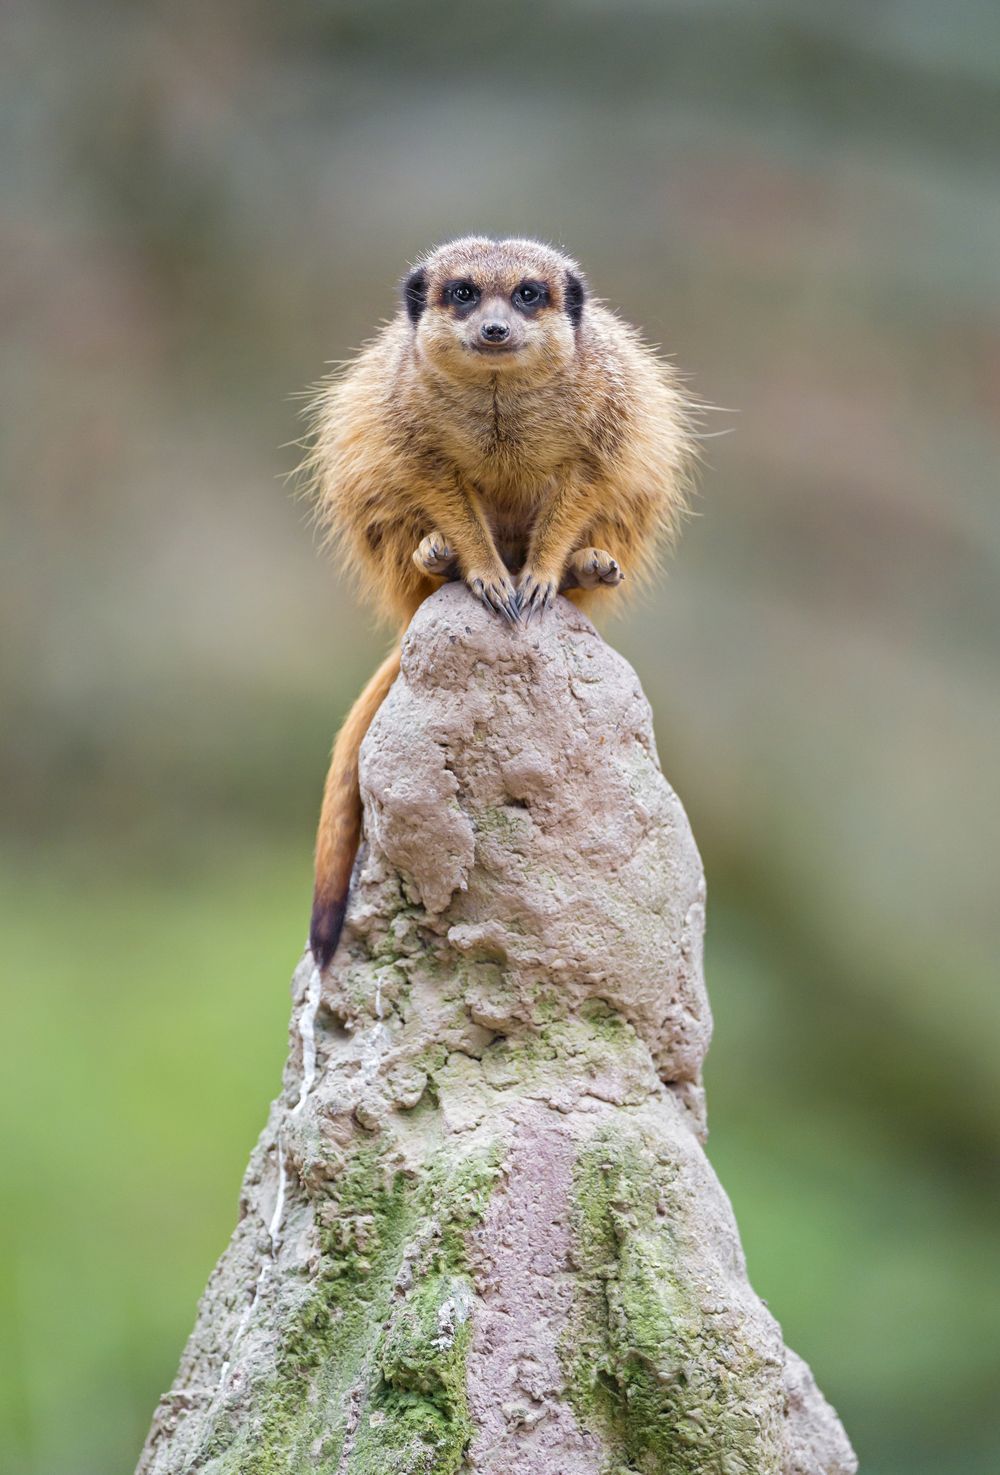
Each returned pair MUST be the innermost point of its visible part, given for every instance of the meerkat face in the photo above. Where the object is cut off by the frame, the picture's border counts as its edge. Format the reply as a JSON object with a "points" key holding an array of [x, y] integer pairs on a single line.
{"points": [[481, 308]]}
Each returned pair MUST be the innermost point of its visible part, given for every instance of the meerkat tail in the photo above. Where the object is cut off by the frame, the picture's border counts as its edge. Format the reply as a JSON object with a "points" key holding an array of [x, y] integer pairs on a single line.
{"points": [[340, 817]]}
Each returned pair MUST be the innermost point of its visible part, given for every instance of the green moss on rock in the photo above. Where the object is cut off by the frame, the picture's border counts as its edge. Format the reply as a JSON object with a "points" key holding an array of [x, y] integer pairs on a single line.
{"points": [[418, 1417], [416, 1420], [369, 1363], [671, 1390]]}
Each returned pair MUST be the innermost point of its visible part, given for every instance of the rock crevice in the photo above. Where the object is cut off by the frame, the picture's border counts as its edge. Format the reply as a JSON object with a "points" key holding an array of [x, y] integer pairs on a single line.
{"points": [[479, 1231]]}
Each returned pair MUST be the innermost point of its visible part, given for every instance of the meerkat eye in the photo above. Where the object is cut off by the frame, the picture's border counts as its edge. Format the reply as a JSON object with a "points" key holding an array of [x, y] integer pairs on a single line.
{"points": [[463, 293], [530, 294]]}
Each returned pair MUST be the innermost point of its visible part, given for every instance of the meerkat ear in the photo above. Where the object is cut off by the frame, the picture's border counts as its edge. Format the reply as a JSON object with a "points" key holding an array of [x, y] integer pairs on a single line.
{"points": [[415, 293], [574, 296]]}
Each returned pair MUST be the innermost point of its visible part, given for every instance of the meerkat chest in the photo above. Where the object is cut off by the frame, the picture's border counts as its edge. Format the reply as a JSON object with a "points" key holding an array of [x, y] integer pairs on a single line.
{"points": [[509, 442]]}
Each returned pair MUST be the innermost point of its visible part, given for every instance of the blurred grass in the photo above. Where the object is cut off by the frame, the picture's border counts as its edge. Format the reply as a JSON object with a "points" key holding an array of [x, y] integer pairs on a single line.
{"points": [[145, 1037]]}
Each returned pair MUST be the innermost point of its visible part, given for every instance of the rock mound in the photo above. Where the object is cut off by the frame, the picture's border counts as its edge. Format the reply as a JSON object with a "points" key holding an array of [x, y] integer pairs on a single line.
{"points": [[479, 1231]]}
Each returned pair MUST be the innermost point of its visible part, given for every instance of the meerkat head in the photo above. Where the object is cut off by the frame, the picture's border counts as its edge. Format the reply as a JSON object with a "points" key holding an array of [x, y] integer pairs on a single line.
{"points": [[480, 308]]}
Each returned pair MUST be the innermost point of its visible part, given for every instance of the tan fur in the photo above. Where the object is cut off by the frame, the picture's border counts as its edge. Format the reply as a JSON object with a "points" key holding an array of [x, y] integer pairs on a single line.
{"points": [[551, 466], [340, 816]]}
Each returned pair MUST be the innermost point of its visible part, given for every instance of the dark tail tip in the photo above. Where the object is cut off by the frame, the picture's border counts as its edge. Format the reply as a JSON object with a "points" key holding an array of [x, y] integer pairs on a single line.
{"points": [[325, 929]]}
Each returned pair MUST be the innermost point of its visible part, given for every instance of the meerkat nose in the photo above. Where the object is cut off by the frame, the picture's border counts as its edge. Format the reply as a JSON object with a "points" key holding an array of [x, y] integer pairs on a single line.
{"points": [[495, 332]]}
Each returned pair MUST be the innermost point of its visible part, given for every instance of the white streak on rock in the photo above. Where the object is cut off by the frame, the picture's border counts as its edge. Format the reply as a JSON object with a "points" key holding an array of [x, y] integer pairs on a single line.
{"points": [[273, 1228], [279, 1202], [307, 1034]]}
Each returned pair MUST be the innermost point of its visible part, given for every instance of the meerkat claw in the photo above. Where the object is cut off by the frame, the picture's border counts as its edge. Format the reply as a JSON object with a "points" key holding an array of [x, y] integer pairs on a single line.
{"points": [[535, 596], [590, 567], [433, 555], [498, 596]]}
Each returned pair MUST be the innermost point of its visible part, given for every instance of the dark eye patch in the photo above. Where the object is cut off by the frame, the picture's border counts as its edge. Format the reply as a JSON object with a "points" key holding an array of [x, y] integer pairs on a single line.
{"points": [[461, 294], [530, 296]]}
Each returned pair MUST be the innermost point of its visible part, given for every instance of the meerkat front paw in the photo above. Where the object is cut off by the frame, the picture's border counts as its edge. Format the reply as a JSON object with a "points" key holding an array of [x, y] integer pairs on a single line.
{"points": [[432, 555], [588, 568], [535, 592], [496, 592]]}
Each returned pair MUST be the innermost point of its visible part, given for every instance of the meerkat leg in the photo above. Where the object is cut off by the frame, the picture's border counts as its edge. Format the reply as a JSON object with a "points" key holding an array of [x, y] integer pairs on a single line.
{"points": [[589, 568], [559, 527], [457, 512], [434, 556]]}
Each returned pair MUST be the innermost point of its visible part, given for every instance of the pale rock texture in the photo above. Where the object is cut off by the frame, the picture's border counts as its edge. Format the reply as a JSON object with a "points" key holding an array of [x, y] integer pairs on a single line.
{"points": [[479, 1232]]}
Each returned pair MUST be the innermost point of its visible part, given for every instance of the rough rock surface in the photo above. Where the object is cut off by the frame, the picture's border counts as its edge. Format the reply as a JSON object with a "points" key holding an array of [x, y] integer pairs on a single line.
{"points": [[479, 1231]]}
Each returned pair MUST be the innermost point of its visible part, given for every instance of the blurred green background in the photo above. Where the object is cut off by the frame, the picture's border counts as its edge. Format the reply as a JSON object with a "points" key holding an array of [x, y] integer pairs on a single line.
{"points": [[203, 204]]}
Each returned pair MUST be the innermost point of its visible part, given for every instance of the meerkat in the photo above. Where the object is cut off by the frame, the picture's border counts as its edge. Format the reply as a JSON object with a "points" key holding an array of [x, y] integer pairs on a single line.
{"points": [[505, 429]]}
